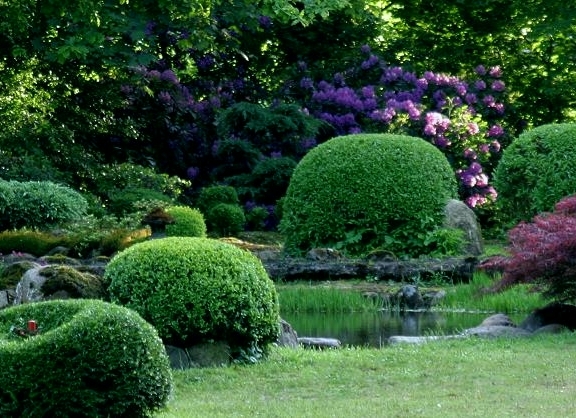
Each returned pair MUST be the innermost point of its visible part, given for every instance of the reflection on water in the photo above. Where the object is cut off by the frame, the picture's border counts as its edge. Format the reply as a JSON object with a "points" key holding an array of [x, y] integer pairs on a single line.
{"points": [[373, 329]]}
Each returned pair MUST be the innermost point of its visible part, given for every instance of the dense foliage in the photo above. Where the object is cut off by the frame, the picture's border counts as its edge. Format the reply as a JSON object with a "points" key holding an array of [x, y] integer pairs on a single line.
{"points": [[543, 251], [536, 171], [195, 290], [363, 192], [213, 91], [88, 358], [38, 204]]}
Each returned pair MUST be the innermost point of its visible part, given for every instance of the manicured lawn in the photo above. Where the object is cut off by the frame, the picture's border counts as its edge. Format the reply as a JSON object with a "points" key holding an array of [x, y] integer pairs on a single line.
{"points": [[531, 377]]}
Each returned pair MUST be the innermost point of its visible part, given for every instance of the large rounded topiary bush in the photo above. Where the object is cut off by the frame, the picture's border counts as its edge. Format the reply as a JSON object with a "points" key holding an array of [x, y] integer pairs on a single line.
{"points": [[536, 171], [195, 290], [88, 359], [188, 222], [367, 191]]}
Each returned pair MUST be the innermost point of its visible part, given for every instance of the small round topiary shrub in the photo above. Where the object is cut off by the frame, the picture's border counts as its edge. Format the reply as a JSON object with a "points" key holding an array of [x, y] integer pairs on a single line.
{"points": [[225, 219], [188, 222], [363, 192], [536, 171], [88, 358], [211, 196], [195, 290]]}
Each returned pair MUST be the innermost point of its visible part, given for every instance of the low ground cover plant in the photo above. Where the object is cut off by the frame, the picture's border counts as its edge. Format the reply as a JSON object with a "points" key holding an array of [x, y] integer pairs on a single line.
{"points": [[82, 358]]}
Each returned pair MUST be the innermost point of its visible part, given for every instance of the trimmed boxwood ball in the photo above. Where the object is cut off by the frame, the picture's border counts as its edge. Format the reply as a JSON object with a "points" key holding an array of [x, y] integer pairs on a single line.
{"points": [[225, 219], [89, 359], [188, 222], [196, 290], [536, 171], [362, 192]]}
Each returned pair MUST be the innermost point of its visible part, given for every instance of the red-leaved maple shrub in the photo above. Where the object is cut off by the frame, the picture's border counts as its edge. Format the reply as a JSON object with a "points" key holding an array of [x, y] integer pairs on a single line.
{"points": [[542, 251]]}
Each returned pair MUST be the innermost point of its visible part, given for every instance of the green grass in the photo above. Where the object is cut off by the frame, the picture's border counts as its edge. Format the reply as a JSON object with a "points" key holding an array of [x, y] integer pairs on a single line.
{"points": [[346, 297], [314, 298], [474, 297], [530, 377]]}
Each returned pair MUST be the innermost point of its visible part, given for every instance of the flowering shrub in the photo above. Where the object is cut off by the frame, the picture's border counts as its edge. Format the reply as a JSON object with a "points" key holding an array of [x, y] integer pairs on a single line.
{"points": [[213, 127], [459, 117], [543, 251]]}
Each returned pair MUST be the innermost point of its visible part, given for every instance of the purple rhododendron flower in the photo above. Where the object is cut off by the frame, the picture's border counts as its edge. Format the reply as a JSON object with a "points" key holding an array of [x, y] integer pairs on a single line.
{"points": [[495, 131], [481, 180], [480, 85], [307, 83], [484, 148], [205, 63], [154, 74], [498, 85], [442, 142], [471, 98], [473, 128], [168, 75], [370, 62], [265, 22], [429, 130], [365, 49], [475, 168], [489, 100], [480, 70], [192, 172], [496, 72], [468, 180], [165, 97]]}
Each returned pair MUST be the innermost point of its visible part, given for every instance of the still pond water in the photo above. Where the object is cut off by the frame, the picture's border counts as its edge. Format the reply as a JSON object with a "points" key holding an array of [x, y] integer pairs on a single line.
{"points": [[374, 328]]}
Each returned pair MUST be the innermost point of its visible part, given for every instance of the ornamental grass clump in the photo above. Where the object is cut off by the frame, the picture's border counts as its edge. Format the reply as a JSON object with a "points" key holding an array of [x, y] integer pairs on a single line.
{"points": [[80, 358], [536, 171], [542, 252], [358, 193], [196, 290]]}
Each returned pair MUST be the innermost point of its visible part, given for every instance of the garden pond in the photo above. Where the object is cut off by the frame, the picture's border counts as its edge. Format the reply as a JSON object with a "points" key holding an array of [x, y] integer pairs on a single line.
{"points": [[372, 329]]}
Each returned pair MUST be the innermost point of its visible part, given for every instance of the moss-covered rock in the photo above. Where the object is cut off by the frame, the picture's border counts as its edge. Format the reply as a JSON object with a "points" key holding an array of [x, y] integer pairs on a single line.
{"points": [[11, 274], [58, 282]]}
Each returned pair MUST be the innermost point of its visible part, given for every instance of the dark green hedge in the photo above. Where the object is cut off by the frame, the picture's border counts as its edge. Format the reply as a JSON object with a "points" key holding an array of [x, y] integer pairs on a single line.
{"points": [[90, 359]]}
